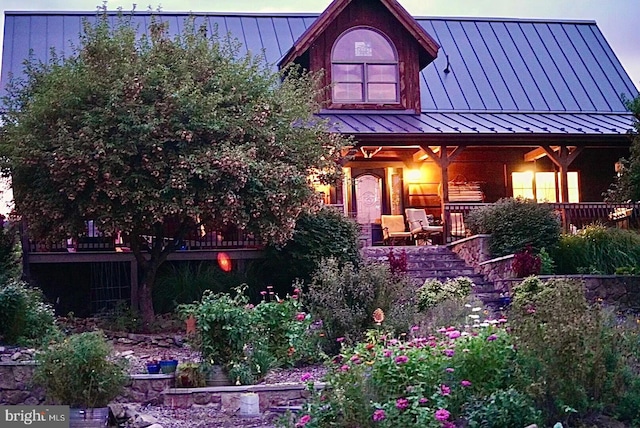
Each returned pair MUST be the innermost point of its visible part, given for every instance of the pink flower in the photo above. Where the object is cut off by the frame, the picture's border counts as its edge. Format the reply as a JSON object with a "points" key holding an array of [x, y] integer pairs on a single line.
{"points": [[402, 403], [296, 290], [344, 368], [305, 377], [445, 390], [465, 383], [401, 359], [379, 415], [415, 328], [447, 424], [303, 421], [453, 334], [295, 296], [442, 415], [386, 353], [356, 359], [340, 339], [449, 370], [492, 338], [423, 401], [449, 352], [300, 316], [264, 293]]}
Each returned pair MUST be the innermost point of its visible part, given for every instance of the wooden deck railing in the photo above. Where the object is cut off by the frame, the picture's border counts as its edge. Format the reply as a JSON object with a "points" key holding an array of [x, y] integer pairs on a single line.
{"points": [[573, 216]]}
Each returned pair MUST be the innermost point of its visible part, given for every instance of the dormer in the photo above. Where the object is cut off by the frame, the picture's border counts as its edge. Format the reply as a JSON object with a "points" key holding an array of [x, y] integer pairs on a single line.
{"points": [[371, 52]]}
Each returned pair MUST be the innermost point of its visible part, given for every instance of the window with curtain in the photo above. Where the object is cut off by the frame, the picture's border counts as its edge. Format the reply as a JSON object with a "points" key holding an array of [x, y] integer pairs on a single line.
{"points": [[543, 186], [364, 68]]}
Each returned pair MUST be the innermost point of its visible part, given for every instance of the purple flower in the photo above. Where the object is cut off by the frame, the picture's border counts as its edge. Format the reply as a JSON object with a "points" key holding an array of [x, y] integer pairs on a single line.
{"points": [[423, 401], [453, 334], [445, 390], [415, 328], [447, 424], [305, 377], [303, 421], [449, 352], [379, 415], [402, 403], [401, 359], [492, 338], [465, 383], [442, 415], [449, 370], [344, 368], [386, 353]]}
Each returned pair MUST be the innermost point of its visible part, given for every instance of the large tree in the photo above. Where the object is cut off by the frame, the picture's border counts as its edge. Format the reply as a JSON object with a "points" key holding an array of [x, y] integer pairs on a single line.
{"points": [[133, 130], [626, 185]]}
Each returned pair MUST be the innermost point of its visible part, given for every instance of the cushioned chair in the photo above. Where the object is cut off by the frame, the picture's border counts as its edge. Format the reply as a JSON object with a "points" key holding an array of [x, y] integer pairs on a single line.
{"points": [[421, 226], [457, 227], [393, 230]]}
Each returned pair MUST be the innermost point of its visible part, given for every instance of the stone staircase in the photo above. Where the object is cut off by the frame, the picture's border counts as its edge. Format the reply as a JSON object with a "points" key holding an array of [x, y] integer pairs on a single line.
{"points": [[439, 262]]}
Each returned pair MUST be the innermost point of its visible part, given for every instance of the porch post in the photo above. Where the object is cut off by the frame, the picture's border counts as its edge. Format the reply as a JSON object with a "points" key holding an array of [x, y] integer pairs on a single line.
{"points": [[563, 159]]}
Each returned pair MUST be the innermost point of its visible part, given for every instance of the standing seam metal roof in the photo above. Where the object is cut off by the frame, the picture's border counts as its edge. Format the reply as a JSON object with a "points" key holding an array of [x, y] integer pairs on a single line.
{"points": [[496, 65]]}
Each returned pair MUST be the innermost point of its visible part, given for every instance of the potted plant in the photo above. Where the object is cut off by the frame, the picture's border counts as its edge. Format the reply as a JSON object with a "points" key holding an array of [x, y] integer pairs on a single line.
{"points": [[153, 367], [189, 375], [168, 364], [78, 372]]}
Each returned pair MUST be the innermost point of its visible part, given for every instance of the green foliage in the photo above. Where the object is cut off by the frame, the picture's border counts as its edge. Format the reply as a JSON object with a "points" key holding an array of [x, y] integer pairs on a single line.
{"points": [[570, 352], [597, 249], [403, 383], [9, 251], [344, 297], [186, 282], [78, 372], [134, 130], [504, 408], [434, 291], [547, 264], [24, 317], [249, 340], [327, 233], [122, 317], [190, 375], [626, 184], [514, 223]]}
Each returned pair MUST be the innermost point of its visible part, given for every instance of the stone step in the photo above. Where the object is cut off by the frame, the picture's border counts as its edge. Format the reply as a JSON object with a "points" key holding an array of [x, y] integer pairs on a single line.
{"points": [[437, 264]]}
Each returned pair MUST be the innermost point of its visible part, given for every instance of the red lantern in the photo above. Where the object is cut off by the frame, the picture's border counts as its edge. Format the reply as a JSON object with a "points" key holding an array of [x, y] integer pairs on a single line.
{"points": [[224, 261]]}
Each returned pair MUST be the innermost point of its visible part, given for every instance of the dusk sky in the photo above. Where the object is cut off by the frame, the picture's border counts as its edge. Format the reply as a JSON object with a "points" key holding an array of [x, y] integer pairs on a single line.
{"points": [[617, 19]]}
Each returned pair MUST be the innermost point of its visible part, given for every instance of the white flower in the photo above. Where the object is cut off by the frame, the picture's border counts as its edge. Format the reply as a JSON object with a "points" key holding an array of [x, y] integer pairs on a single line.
{"points": [[476, 309]]}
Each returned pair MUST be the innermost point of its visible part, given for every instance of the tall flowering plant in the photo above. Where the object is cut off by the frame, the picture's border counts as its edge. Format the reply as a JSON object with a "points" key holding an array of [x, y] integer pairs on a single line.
{"points": [[412, 380]]}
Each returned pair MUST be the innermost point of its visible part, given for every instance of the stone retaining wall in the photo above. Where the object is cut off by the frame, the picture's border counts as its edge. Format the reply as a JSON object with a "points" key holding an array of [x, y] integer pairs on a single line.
{"points": [[619, 290], [15, 384], [227, 398]]}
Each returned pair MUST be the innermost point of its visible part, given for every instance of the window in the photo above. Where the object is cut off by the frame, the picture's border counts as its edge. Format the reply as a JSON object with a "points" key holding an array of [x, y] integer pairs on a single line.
{"points": [[364, 68], [543, 186]]}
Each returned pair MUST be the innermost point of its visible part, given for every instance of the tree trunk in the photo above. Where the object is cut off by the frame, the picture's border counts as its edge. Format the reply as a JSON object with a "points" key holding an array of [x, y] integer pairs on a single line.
{"points": [[145, 296]]}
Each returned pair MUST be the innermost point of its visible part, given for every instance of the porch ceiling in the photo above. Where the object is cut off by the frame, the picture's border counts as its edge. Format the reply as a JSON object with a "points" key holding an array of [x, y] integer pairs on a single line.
{"points": [[540, 125]]}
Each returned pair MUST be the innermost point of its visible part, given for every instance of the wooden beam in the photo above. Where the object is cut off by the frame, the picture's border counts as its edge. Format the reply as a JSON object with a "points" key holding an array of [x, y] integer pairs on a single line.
{"points": [[420, 155], [538, 153]]}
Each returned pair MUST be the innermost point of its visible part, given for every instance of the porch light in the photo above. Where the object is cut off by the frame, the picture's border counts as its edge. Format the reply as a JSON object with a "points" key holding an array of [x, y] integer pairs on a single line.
{"points": [[414, 175], [224, 261]]}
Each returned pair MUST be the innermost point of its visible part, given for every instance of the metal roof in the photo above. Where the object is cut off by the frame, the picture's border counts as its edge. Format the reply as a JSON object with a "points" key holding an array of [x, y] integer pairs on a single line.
{"points": [[506, 66], [481, 123]]}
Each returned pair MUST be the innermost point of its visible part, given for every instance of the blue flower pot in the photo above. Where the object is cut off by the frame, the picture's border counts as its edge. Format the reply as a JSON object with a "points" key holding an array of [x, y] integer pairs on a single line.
{"points": [[168, 366], [153, 368]]}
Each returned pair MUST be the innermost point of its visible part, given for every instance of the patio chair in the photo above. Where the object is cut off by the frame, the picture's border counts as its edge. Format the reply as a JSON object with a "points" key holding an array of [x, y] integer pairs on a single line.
{"points": [[457, 227], [393, 229], [422, 226]]}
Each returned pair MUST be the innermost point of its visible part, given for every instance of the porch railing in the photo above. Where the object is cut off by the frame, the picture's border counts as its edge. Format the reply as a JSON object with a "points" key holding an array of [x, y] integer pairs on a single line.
{"points": [[95, 241], [573, 216]]}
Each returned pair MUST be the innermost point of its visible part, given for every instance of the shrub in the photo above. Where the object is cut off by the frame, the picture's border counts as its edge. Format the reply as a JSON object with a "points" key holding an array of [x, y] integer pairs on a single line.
{"points": [[434, 291], [249, 340], [77, 371], [597, 249], [24, 317], [9, 251], [414, 382], [345, 297], [326, 234], [525, 263], [569, 351], [504, 408], [514, 223], [186, 282]]}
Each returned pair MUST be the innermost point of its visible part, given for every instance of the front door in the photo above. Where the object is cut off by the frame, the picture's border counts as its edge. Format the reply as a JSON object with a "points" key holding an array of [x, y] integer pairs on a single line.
{"points": [[368, 198]]}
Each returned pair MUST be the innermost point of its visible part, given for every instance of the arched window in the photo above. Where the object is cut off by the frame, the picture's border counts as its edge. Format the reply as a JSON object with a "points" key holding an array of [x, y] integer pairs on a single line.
{"points": [[364, 68]]}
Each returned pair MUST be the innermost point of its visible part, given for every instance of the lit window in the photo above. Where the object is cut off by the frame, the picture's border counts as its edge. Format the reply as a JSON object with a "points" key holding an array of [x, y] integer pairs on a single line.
{"points": [[543, 186], [364, 68]]}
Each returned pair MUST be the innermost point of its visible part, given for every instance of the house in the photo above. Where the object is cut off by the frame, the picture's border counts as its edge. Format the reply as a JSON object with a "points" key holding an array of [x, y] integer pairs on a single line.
{"points": [[446, 112]]}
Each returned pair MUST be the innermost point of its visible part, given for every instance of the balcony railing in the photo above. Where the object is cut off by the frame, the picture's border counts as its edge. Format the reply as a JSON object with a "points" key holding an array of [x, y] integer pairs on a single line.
{"points": [[573, 216], [94, 241]]}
